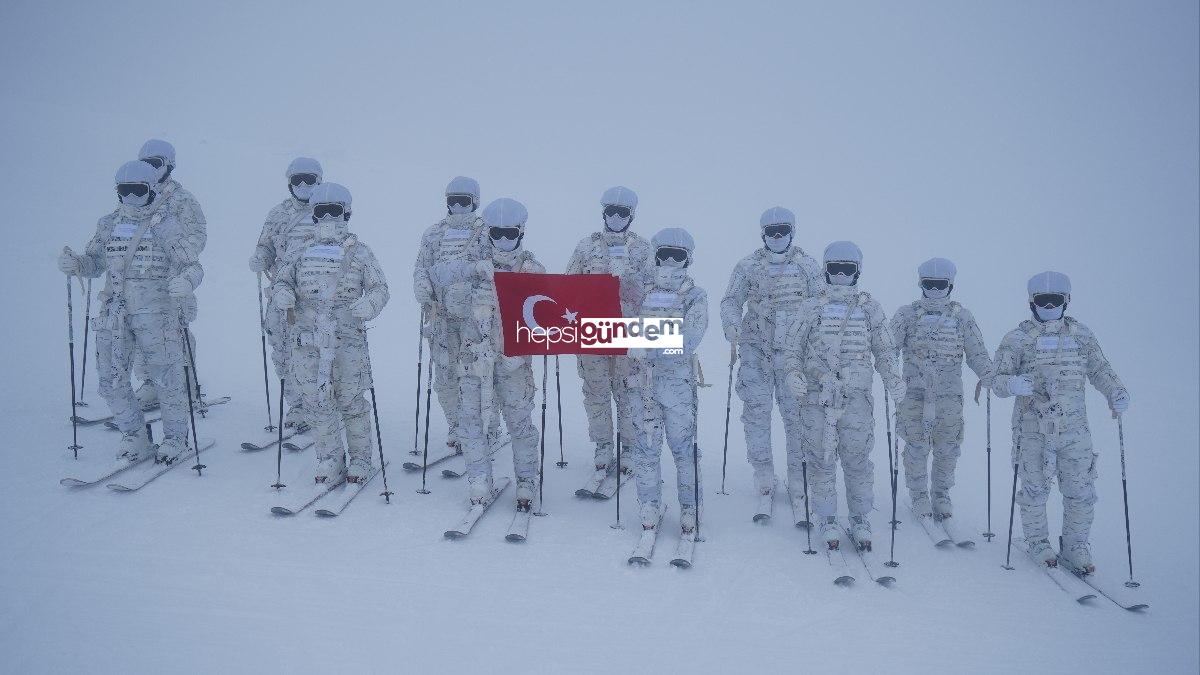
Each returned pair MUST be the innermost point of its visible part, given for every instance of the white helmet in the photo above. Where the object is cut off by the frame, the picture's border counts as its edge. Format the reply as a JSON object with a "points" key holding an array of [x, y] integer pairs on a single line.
{"points": [[843, 251], [1049, 282], [158, 151], [778, 241], [304, 165], [136, 173], [330, 193], [935, 278], [777, 215], [502, 217], [674, 238], [620, 196], [462, 186]]}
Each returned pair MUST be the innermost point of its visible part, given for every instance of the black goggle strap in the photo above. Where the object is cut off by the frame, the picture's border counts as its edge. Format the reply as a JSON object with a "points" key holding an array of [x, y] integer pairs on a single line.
{"points": [[1049, 300], [935, 284], [298, 179], [614, 210], [126, 189]]}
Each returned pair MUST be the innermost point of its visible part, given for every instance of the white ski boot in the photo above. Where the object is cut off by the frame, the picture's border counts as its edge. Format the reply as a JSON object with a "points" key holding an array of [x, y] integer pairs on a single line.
{"points": [[147, 395], [296, 418], [764, 482], [171, 450], [1077, 555], [649, 513], [687, 519], [479, 488], [330, 469], [526, 491], [626, 462], [831, 533], [604, 456], [860, 529], [1043, 552], [134, 447], [942, 508], [920, 503], [359, 469]]}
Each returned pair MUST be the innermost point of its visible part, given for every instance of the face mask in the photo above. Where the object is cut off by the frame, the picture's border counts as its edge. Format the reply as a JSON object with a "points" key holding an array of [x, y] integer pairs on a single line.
{"points": [[616, 223], [936, 293], [331, 229], [506, 245], [669, 277], [777, 244], [459, 209], [1049, 313], [302, 191]]}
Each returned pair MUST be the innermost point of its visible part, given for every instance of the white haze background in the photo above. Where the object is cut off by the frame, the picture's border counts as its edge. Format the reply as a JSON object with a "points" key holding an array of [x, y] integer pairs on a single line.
{"points": [[1009, 137]]}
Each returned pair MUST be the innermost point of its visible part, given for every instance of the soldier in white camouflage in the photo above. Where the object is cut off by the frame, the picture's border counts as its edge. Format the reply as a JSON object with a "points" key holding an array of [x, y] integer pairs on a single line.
{"points": [[151, 265], [454, 243], [619, 251], [1046, 362], [933, 334], [334, 285], [768, 283], [288, 227], [178, 203], [831, 347]]}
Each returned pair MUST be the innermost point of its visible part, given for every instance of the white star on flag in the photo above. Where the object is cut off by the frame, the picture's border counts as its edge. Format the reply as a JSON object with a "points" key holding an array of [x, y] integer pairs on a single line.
{"points": [[569, 316]]}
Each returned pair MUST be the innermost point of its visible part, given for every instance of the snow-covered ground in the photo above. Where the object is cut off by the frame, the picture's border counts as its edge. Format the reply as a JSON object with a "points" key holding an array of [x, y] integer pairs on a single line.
{"points": [[1009, 139]]}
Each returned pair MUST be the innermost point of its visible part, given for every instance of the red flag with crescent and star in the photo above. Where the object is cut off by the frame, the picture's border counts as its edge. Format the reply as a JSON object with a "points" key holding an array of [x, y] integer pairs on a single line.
{"points": [[542, 313]]}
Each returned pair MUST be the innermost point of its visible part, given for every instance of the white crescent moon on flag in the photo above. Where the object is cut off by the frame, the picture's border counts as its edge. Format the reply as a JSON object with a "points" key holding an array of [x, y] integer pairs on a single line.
{"points": [[527, 312]]}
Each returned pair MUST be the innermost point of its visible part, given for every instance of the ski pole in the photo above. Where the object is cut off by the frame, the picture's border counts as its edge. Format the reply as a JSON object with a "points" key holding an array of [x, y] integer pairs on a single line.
{"points": [[386, 494], [542, 445], [262, 331], [893, 453], [279, 445], [428, 392], [420, 358], [87, 324], [728, 403], [1012, 507], [696, 445], [612, 377], [1125, 495], [75, 446], [807, 519], [187, 382], [562, 461], [989, 534]]}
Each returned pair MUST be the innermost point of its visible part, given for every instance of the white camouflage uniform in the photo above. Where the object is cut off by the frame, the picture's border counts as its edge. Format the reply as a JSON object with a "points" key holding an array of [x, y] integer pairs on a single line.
{"points": [[662, 388], [933, 335], [767, 284], [455, 242], [329, 344], [137, 312], [628, 256], [491, 382], [831, 341], [1051, 438], [288, 228]]}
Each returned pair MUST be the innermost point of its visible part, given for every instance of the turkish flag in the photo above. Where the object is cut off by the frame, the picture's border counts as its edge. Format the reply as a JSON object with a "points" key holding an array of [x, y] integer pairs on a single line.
{"points": [[542, 313]]}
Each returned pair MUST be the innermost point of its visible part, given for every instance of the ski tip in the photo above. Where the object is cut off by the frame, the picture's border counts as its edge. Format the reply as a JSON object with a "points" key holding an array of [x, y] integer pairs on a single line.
{"points": [[844, 580], [886, 582], [514, 537], [251, 447], [804, 525], [119, 488], [411, 466], [967, 545], [601, 496], [763, 519], [945, 543], [281, 511], [583, 493], [1085, 599], [326, 513], [447, 473], [1140, 607], [453, 534], [71, 482], [681, 563], [639, 561]]}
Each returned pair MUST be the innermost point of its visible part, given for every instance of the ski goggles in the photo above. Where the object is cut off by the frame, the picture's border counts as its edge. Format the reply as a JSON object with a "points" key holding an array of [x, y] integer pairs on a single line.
{"points": [[777, 231], [332, 210], [847, 268], [1049, 300], [671, 255], [156, 162], [459, 200], [935, 284], [510, 233], [136, 189], [298, 179], [618, 211]]}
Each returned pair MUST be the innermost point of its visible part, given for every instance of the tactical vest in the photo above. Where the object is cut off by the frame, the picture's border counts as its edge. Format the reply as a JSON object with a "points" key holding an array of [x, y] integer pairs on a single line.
{"points": [[1059, 365], [853, 355], [774, 287], [459, 241], [299, 230], [609, 253], [149, 261]]}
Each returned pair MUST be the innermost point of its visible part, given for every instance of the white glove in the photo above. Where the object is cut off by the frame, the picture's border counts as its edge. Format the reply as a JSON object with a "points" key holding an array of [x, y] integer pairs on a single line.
{"points": [[1020, 385], [796, 384], [258, 265], [897, 390], [484, 269], [284, 298], [362, 309], [1119, 401], [179, 287], [69, 263], [731, 332]]}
